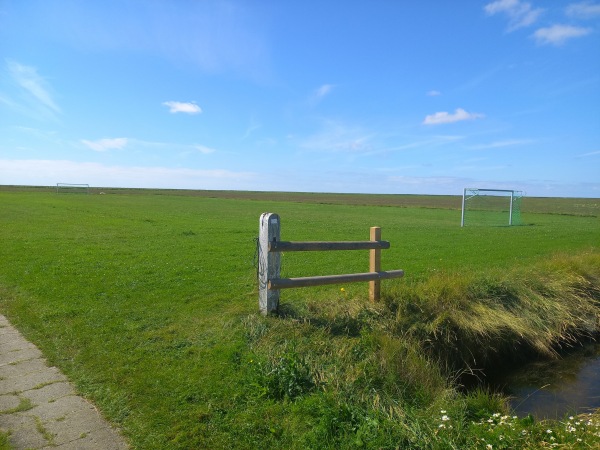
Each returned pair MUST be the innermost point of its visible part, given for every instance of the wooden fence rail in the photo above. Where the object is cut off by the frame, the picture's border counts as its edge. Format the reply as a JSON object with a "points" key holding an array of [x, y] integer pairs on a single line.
{"points": [[269, 263], [319, 246]]}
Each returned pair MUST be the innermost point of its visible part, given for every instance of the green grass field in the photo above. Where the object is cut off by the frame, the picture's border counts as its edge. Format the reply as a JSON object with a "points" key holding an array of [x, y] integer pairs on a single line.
{"points": [[147, 300]]}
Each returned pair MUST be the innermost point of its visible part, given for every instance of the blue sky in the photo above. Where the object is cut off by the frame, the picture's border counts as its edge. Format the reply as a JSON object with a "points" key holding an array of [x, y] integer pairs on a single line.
{"points": [[409, 97]]}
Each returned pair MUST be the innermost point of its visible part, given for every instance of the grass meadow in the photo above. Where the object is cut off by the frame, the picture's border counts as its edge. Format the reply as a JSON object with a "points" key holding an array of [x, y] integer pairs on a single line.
{"points": [[147, 300]]}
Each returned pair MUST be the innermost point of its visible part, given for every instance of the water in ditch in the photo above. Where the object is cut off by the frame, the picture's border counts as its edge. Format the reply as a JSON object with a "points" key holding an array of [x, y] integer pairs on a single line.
{"points": [[555, 388]]}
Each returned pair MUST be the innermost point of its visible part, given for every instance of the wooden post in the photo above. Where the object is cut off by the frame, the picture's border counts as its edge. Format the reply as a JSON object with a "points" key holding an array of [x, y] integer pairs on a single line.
{"points": [[269, 263], [375, 265]]}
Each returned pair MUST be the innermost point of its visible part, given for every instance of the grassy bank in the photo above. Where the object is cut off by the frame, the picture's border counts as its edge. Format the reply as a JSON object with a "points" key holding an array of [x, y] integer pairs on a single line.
{"points": [[149, 304], [482, 320], [391, 373]]}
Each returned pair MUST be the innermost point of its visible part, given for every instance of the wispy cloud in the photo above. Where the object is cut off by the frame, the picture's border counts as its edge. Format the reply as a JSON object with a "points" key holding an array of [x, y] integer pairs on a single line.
{"points": [[182, 107], [446, 117], [433, 93], [585, 155], [559, 34], [501, 144], [34, 90], [252, 127], [48, 172], [481, 168], [323, 90], [339, 137], [215, 36], [320, 93], [520, 14], [583, 10], [106, 144], [412, 143], [103, 145], [204, 150]]}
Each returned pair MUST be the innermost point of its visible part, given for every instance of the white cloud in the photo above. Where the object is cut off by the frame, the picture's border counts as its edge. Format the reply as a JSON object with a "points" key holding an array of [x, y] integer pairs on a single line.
{"points": [[183, 107], [583, 10], [445, 117], [559, 34], [520, 14], [103, 145], [433, 93]]}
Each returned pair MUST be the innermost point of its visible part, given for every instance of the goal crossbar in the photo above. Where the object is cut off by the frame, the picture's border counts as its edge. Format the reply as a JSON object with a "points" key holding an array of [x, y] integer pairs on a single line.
{"points": [[469, 193], [73, 186]]}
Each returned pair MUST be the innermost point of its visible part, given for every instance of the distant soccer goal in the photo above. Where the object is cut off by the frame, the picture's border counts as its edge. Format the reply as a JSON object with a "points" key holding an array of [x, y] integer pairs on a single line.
{"points": [[72, 188], [491, 207]]}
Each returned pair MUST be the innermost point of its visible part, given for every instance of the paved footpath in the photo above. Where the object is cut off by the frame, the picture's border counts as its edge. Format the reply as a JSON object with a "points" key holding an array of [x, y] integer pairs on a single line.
{"points": [[38, 405]]}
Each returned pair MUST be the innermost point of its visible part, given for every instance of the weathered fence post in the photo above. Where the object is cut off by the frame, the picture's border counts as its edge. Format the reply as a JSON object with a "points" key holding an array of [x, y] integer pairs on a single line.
{"points": [[375, 265], [268, 263]]}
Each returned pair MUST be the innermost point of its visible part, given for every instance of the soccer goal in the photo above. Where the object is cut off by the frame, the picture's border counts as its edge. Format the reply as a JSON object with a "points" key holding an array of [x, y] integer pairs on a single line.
{"points": [[72, 188], [491, 207]]}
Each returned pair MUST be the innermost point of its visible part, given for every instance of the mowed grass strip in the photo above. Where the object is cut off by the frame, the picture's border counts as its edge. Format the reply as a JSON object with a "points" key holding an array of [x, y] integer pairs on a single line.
{"points": [[149, 304]]}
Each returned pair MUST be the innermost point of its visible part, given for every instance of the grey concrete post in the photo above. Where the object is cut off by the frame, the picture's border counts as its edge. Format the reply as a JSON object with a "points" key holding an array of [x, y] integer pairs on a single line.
{"points": [[269, 264]]}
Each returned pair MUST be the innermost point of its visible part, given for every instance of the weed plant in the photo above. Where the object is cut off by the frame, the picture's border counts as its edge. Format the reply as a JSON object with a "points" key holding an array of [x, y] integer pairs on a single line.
{"points": [[148, 303], [4, 441]]}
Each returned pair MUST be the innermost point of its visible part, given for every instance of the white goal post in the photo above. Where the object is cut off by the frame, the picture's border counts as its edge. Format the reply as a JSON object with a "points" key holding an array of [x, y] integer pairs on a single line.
{"points": [[72, 188], [491, 206]]}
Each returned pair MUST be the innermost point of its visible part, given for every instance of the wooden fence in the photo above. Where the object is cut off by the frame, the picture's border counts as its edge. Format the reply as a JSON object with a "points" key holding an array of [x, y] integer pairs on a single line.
{"points": [[269, 263]]}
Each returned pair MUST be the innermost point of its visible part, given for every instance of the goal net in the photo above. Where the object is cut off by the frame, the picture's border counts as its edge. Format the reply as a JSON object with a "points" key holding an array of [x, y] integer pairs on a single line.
{"points": [[71, 188], [491, 207]]}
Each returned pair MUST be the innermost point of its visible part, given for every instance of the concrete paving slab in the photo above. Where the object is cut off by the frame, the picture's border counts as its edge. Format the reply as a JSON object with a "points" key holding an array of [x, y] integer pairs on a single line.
{"points": [[9, 384], [27, 435], [7, 336], [96, 440], [15, 344], [39, 407], [73, 426], [9, 402], [23, 367], [49, 393], [12, 357], [64, 406]]}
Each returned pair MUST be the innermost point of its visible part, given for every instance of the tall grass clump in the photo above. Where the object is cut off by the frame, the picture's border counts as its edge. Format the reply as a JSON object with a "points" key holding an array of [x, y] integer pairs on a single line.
{"points": [[388, 375], [361, 375], [477, 320]]}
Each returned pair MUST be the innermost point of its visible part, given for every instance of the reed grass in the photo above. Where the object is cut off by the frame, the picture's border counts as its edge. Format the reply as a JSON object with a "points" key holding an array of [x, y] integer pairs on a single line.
{"points": [[478, 320]]}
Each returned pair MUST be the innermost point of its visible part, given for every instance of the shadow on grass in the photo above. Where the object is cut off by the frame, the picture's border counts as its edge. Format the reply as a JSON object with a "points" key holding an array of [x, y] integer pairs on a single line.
{"points": [[339, 325]]}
